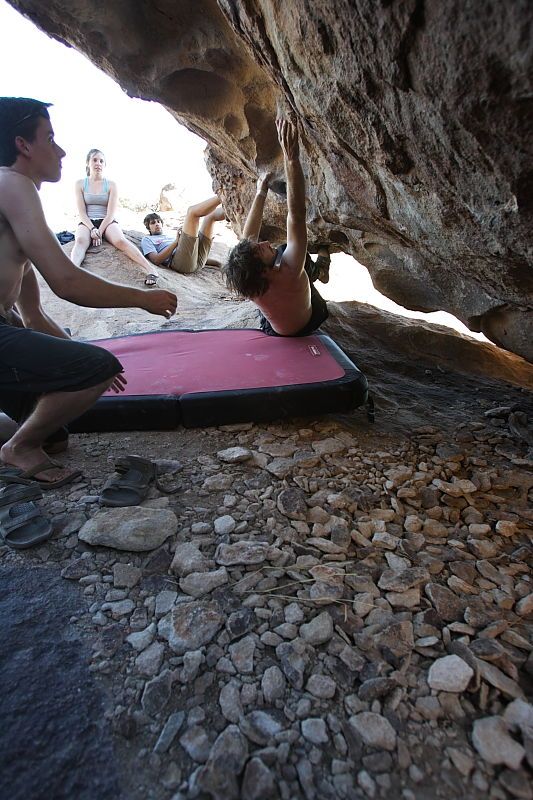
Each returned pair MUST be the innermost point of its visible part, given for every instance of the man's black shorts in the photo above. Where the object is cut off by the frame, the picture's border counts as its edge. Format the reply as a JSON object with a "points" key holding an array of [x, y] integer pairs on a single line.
{"points": [[33, 364]]}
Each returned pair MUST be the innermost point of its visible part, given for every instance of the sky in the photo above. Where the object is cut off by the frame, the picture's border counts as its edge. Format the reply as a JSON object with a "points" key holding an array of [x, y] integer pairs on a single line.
{"points": [[144, 146]]}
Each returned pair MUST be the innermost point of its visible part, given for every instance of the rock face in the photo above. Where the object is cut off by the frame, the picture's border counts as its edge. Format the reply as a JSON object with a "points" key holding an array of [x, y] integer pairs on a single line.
{"points": [[415, 124]]}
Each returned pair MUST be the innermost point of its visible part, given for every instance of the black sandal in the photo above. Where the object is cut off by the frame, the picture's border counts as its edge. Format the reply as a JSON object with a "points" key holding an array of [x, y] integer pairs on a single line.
{"points": [[22, 523], [130, 486], [151, 279]]}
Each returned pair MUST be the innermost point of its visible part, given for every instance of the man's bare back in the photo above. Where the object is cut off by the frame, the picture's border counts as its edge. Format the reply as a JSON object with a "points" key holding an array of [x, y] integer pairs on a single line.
{"points": [[287, 301]]}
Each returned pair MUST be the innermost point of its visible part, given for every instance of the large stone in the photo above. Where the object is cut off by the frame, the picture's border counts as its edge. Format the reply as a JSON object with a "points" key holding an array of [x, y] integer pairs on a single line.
{"points": [[491, 739], [134, 528], [193, 625]]}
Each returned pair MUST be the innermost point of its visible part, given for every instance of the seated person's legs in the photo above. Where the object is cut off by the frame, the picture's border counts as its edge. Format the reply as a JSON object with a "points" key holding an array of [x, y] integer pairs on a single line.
{"points": [[82, 241], [193, 247], [46, 382]]}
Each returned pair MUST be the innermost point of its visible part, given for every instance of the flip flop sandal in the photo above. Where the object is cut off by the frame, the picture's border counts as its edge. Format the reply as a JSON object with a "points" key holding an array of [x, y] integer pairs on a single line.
{"points": [[130, 486], [22, 523], [151, 279], [28, 476], [10, 475]]}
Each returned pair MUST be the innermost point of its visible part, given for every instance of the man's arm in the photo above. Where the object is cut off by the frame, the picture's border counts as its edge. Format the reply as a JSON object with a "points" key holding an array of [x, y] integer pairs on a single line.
{"points": [[30, 309], [151, 253], [294, 255], [252, 226], [20, 204]]}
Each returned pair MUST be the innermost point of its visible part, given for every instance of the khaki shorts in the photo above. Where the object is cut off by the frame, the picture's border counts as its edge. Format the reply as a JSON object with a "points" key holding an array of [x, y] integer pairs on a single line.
{"points": [[190, 254]]}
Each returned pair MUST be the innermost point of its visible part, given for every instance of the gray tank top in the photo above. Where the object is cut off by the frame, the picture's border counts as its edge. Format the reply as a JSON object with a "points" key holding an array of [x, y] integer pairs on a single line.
{"points": [[96, 204]]}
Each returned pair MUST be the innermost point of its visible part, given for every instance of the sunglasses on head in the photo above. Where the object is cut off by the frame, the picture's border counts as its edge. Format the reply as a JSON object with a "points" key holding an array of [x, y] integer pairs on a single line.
{"points": [[26, 118]]}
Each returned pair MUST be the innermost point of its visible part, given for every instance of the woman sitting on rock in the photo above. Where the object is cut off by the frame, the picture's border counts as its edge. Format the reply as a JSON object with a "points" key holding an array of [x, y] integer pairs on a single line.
{"points": [[97, 200]]}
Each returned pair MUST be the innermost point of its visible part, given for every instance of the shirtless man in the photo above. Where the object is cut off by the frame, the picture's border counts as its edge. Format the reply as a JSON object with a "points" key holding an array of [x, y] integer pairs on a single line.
{"points": [[46, 379], [276, 278]]}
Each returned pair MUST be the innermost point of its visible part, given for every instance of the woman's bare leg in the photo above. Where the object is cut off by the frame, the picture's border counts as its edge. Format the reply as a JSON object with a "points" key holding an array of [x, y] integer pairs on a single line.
{"points": [[114, 236], [82, 240]]}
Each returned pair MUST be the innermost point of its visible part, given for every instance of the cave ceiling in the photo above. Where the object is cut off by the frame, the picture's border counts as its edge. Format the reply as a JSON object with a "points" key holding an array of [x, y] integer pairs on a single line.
{"points": [[416, 123]]}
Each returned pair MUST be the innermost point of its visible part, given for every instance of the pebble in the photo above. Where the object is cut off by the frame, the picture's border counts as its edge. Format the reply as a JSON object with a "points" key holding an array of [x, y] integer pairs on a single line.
{"points": [[169, 732], [449, 674], [319, 630], [321, 686], [242, 655], [273, 684], [230, 555], [126, 576], [258, 782], [197, 584], [188, 558], [193, 625], [196, 744], [141, 639], [314, 730], [375, 730], [491, 739], [224, 525], [234, 455], [150, 660]]}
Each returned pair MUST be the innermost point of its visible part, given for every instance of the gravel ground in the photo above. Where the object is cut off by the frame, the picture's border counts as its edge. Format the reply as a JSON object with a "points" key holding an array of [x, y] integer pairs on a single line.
{"points": [[313, 610]]}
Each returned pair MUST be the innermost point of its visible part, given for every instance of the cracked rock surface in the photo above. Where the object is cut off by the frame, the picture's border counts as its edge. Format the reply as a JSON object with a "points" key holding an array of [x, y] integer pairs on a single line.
{"points": [[415, 120]]}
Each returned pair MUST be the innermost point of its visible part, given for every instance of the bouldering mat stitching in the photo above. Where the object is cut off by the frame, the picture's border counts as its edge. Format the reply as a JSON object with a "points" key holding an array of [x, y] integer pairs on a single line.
{"points": [[215, 407]]}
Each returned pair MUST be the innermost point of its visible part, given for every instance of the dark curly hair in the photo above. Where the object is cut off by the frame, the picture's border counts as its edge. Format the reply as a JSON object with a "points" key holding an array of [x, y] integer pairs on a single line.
{"points": [[151, 218], [244, 273]]}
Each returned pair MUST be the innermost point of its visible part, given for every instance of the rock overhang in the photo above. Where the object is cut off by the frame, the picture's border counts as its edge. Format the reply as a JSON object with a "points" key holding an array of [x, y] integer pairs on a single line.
{"points": [[415, 122]]}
